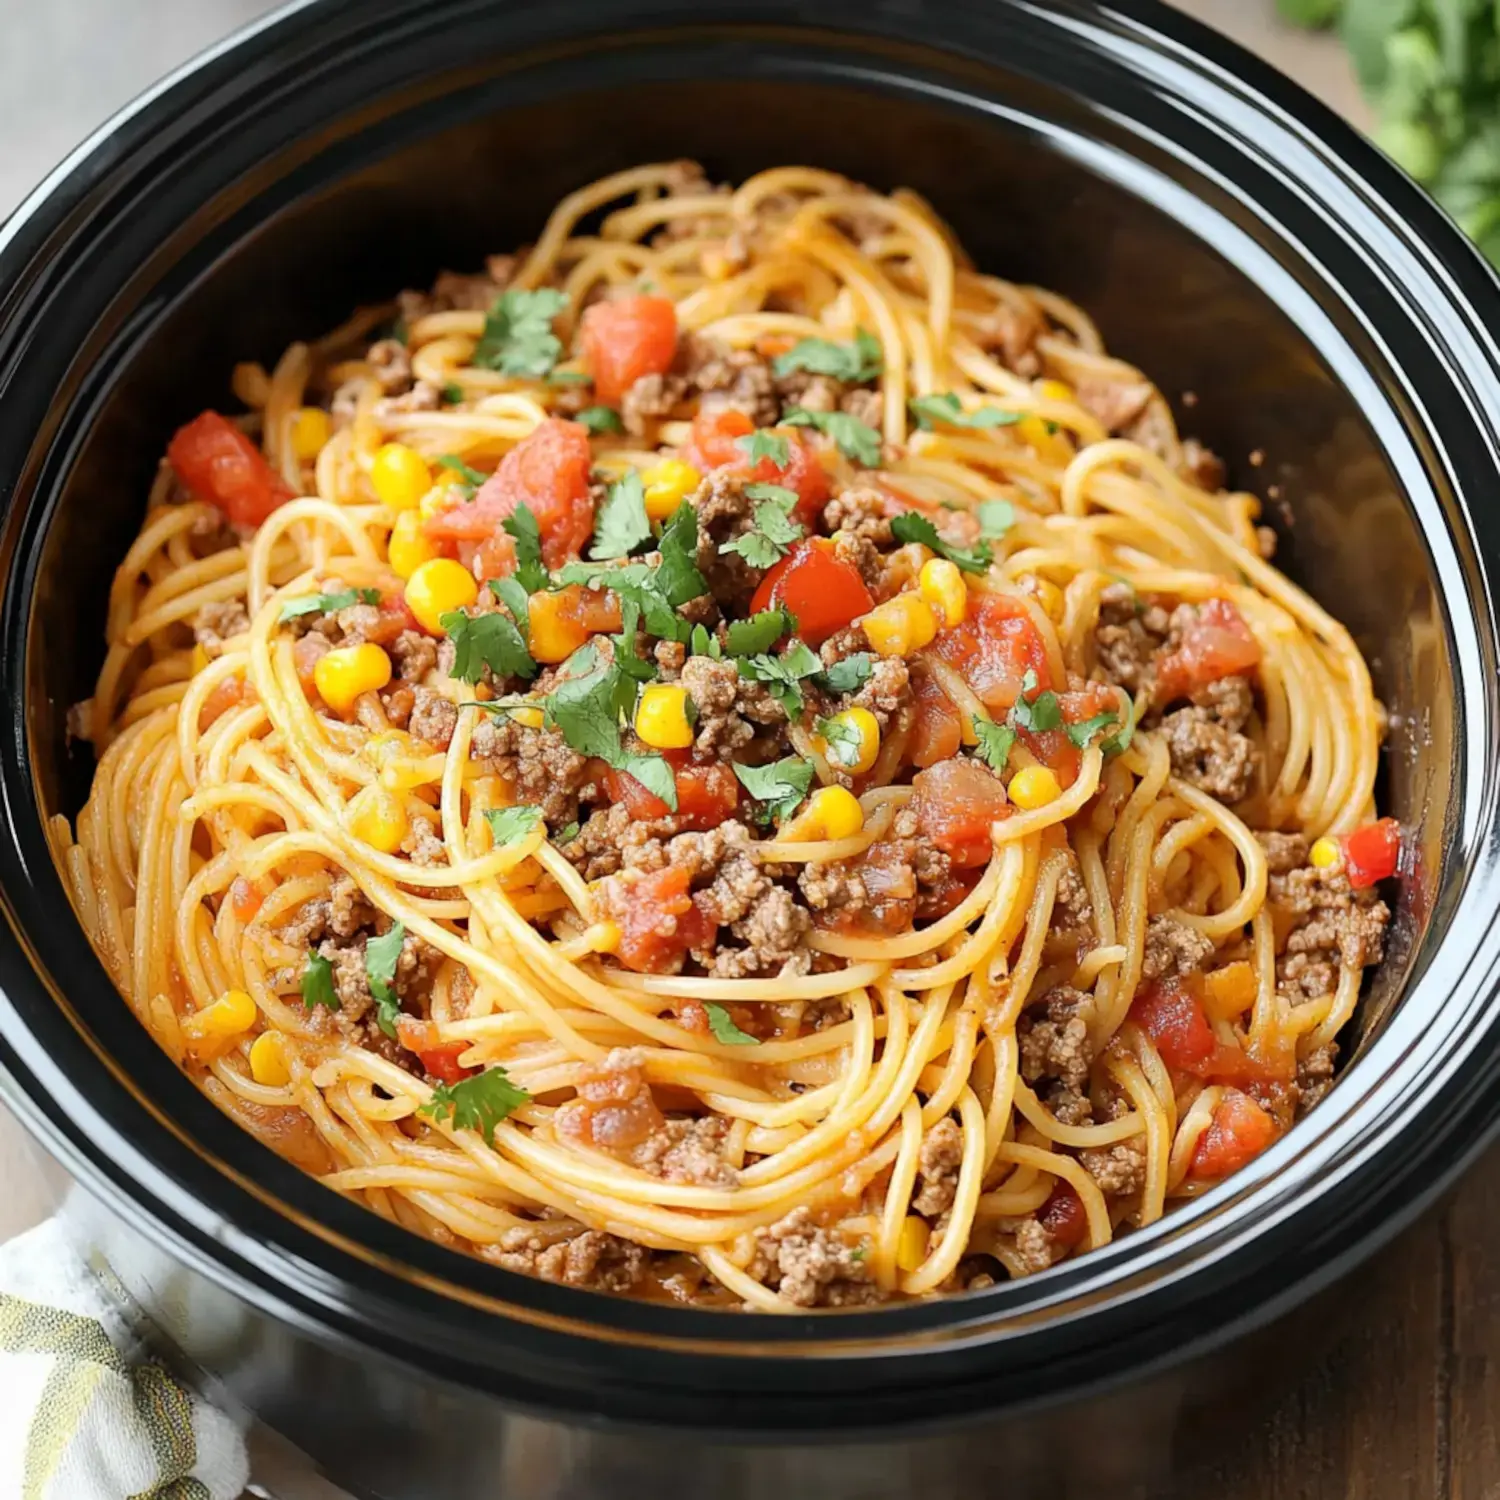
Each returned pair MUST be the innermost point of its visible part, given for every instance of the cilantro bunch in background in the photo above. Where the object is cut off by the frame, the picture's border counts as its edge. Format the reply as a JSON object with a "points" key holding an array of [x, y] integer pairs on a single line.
{"points": [[1431, 69]]}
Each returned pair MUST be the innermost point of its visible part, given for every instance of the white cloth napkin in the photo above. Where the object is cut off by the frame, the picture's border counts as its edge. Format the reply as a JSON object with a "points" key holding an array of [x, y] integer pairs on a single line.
{"points": [[86, 1412]]}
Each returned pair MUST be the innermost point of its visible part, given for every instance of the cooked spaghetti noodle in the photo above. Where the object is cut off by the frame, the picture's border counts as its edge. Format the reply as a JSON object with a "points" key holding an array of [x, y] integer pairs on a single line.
{"points": [[733, 757]]}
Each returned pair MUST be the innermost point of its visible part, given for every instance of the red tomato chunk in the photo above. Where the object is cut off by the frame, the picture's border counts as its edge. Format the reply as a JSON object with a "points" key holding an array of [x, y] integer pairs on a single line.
{"points": [[1216, 644], [1372, 853], [956, 802], [1239, 1131], [994, 649], [714, 444], [440, 1059], [1171, 1013], [706, 795], [823, 591], [657, 920], [219, 464], [626, 339], [1064, 1217]]}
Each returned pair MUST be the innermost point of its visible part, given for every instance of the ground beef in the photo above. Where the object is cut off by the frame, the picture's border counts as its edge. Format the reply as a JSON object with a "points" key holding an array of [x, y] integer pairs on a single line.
{"points": [[1071, 909], [1284, 851], [774, 934], [649, 399], [862, 555], [735, 378], [423, 396], [1315, 1075], [1069, 1106], [592, 1259], [864, 406], [887, 691], [433, 717], [1208, 751], [716, 688], [937, 1167], [216, 623], [343, 912], [610, 840], [1128, 636], [1201, 467], [860, 512], [415, 655], [1120, 1170], [1174, 950], [454, 291], [424, 844], [690, 1150], [810, 392], [391, 362], [1331, 923], [1034, 1246], [810, 1266], [1115, 402], [725, 512], [539, 765], [1011, 331], [1054, 1037]]}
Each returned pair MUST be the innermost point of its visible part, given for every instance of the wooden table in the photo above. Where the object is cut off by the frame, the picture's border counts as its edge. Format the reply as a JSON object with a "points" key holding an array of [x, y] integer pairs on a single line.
{"points": [[1407, 1406]]}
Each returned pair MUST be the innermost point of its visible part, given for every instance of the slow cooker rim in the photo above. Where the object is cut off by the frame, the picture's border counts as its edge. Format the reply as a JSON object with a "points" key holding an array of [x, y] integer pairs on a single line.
{"points": [[51, 202]]}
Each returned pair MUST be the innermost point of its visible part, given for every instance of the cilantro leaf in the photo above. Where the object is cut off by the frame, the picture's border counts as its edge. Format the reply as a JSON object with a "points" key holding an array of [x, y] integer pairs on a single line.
{"points": [[518, 337], [705, 644], [453, 393], [317, 983], [678, 576], [721, 1023], [600, 419], [846, 676], [946, 407], [566, 834], [327, 604], [1118, 743], [471, 478], [911, 526], [1039, 713], [490, 640], [622, 524], [856, 363], [515, 598], [758, 633], [1083, 733], [995, 741], [627, 658], [762, 444], [478, 1103], [569, 377], [508, 824], [772, 529], [996, 517], [843, 742], [856, 441], [778, 787], [783, 674], [381, 957], [522, 528], [653, 773]]}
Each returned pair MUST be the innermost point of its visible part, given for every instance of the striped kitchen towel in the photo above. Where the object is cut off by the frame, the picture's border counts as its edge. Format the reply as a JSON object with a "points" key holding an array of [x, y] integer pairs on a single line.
{"points": [[85, 1412]]}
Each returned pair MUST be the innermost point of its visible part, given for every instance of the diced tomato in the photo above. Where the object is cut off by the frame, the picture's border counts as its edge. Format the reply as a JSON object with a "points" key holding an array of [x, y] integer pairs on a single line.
{"points": [[218, 463], [822, 590], [706, 795], [246, 897], [956, 802], [439, 1059], [657, 919], [714, 444], [1239, 1131], [223, 696], [548, 472], [305, 654], [395, 617], [1372, 853], [625, 339], [890, 886], [1171, 1013], [1216, 643], [1064, 1217], [936, 730], [994, 649]]}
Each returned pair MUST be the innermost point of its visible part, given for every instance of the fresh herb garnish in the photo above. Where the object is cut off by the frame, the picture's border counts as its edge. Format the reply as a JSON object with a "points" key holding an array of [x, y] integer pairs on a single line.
{"points": [[490, 640], [453, 393], [762, 444], [566, 834], [515, 598], [327, 604], [1035, 711], [846, 676], [995, 517], [911, 526], [758, 633], [569, 377], [778, 787], [855, 363], [772, 529], [843, 742], [600, 419], [1118, 743], [522, 528], [518, 337], [782, 675], [622, 525], [508, 824], [381, 957], [478, 1103], [946, 407], [703, 643], [469, 479], [1082, 733], [856, 441], [721, 1023], [627, 658], [995, 741], [317, 983]]}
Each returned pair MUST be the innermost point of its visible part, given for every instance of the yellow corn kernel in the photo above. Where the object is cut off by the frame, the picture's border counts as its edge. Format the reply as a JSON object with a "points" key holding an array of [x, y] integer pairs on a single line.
{"points": [[715, 265], [1056, 390], [942, 585], [408, 548], [311, 428], [667, 484], [378, 819], [434, 502], [850, 741], [399, 476], [341, 676], [900, 625], [556, 633], [1033, 787], [527, 718], [832, 812], [268, 1063], [662, 720], [1325, 854], [911, 1243], [200, 658], [215, 1029], [1051, 598], [438, 587]]}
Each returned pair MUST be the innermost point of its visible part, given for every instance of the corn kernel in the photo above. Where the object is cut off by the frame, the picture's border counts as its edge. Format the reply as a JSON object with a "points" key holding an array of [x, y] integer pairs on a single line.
{"points": [[399, 476], [833, 812], [439, 586], [1056, 390], [911, 1243], [434, 502], [900, 625], [1034, 786], [556, 633], [311, 428], [1325, 853], [850, 741], [527, 718], [215, 1029], [1051, 598], [662, 720], [667, 484], [200, 658], [408, 547], [341, 676], [378, 819], [268, 1063], [942, 586]]}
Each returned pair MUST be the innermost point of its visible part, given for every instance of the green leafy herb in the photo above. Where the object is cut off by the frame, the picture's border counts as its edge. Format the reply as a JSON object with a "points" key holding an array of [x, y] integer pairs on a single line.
{"points": [[515, 598], [518, 337], [566, 834], [996, 517], [947, 408], [702, 643], [995, 741], [622, 524], [478, 1103], [782, 675], [471, 478], [508, 824], [721, 1023], [490, 640], [600, 419], [678, 577], [758, 633], [1118, 743], [911, 526], [772, 529], [762, 444], [381, 957], [453, 393], [522, 528], [327, 604], [1038, 713], [1083, 732], [627, 658], [317, 983], [846, 676], [569, 377], [855, 363], [857, 442], [843, 742], [778, 787], [653, 773]]}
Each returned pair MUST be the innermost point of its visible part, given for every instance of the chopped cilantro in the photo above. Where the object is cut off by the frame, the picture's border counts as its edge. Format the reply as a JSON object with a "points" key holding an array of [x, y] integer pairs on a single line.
{"points": [[1038, 713], [1081, 734], [1119, 743], [622, 524], [453, 393], [762, 444], [627, 658], [702, 643], [381, 956], [521, 526], [996, 517], [856, 441], [566, 834], [490, 640], [515, 598], [855, 363], [569, 377], [317, 983], [772, 529], [678, 576], [721, 1023], [518, 337], [478, 1103], [470, 479], [653, 773], [911, 526], [946, 407], [758, 633], [843, 741], [778, 787], [995, 741], [327, 604], [600, 419], [508, 824], [782, 675], [846, 676]]}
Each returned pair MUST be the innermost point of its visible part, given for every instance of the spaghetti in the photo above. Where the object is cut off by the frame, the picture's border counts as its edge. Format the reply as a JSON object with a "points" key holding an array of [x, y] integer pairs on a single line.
{"points": [[731, 757]]}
